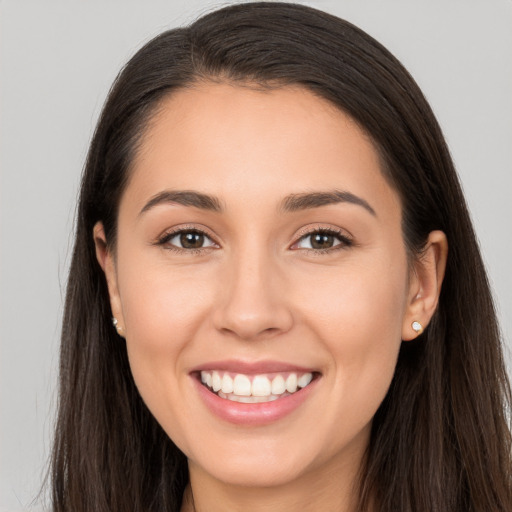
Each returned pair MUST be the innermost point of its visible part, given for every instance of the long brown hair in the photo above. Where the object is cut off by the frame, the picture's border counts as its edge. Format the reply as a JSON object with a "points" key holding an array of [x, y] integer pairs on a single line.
{"points": [[441, 439]]}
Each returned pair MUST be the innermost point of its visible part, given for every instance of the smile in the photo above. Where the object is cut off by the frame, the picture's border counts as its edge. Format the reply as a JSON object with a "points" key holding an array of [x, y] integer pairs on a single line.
{"points": [[254, 388]]}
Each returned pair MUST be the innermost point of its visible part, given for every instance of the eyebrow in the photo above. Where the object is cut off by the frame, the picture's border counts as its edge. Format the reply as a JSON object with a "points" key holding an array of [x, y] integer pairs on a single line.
{"points": [[185, 198], [291, 203], [307, 200]]}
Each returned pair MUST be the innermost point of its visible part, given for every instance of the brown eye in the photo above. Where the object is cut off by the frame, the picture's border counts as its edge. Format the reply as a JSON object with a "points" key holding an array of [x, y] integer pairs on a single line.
{"points": [[191, 240], [322, 241]]}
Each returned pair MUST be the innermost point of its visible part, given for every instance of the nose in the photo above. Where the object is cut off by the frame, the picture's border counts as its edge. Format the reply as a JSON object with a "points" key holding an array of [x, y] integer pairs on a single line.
{"points": [[252, 298]]}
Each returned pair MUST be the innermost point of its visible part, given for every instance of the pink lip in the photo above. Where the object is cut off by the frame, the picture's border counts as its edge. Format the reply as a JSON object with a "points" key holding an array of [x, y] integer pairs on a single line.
{"points": [[257, 414], [251, 368]]}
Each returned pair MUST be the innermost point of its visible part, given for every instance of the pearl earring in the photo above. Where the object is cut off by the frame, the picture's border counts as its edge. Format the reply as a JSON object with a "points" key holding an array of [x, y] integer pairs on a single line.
{"points": [[417, 327], [118, 328]]}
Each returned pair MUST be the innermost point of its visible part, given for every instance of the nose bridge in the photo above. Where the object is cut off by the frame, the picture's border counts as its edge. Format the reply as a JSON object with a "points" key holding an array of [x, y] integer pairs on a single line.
{"points": [[253, 302]]}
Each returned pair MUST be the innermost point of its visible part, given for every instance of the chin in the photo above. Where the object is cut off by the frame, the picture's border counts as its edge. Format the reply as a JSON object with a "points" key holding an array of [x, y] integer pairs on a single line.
{"points": [[261, 471]]}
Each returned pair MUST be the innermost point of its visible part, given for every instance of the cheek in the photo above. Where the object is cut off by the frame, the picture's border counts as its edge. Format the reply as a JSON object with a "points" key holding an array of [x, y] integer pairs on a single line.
{"points": [[162, 309], [357, 314], [355, 299], [161, 305]]}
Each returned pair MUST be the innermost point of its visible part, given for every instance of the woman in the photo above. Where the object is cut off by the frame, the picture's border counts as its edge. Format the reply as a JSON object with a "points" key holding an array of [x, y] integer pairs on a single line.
{"points": [[270, 219]]}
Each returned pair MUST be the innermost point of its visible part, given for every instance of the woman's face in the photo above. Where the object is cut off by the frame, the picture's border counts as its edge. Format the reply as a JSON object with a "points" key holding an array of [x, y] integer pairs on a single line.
{"points": [[260, 247]]}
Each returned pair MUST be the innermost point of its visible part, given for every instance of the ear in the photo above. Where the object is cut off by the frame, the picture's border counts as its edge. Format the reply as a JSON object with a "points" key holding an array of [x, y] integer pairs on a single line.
{"points": [[425, 283], [106, 260]]}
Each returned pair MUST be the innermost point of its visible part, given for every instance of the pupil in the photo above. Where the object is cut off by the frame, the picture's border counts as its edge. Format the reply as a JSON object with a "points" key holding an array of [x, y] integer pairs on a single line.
{"points": [[192, 240], [322, 241]]}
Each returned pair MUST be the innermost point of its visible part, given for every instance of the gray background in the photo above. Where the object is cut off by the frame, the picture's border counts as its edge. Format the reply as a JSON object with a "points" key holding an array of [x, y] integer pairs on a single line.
{"points": [[57, 61]]}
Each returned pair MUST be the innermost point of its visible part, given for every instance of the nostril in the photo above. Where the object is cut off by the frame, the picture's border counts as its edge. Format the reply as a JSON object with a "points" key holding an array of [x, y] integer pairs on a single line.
{"points": [[245, 332], [250, 321]]}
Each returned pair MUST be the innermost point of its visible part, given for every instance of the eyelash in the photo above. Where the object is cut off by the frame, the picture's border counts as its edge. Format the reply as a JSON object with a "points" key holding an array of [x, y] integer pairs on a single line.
{"points": [[167, 237], [345, 241]]}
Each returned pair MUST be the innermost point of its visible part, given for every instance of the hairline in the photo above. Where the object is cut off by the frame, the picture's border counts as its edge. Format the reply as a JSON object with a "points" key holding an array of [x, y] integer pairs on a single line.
{"points": [[199, 80]]}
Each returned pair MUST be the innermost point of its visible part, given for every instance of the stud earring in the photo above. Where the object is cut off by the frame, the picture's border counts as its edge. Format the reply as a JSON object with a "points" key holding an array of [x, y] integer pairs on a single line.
{"points": [[118, 328], [417, 327]]}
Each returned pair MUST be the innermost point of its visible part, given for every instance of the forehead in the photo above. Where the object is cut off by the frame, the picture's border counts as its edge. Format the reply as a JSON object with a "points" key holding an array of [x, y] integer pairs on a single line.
{"points": [[233, 140]]}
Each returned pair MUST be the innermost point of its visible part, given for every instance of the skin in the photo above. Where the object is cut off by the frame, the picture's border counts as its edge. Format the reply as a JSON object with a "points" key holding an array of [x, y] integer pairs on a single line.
{"points": [[259, 291]]}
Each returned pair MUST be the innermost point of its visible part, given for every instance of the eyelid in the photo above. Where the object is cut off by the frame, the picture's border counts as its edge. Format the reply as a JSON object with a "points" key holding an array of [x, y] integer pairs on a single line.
{"points": [[344, 236], [169, 233]]}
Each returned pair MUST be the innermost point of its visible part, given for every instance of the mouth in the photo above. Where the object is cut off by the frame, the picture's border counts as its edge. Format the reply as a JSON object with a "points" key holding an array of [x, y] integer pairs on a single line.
{"points": [[255, 389]]}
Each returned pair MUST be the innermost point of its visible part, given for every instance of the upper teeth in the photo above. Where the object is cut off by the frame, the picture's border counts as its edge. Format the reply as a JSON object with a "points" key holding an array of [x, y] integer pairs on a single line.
{"points": [[260, 385]]}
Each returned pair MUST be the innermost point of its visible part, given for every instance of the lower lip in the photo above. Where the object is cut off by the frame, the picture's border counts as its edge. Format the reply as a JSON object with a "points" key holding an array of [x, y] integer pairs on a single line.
{"points": [[261, 413]]}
